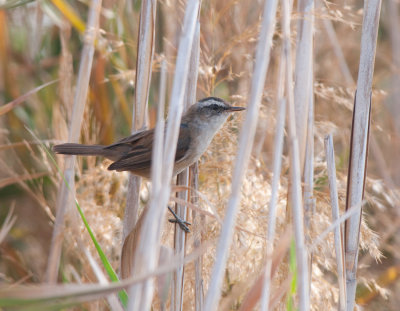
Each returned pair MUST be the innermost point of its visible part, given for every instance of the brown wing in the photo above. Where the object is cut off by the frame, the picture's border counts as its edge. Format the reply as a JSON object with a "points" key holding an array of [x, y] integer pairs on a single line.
{"points": [[183, 142], [136, 150], [126, 144]]}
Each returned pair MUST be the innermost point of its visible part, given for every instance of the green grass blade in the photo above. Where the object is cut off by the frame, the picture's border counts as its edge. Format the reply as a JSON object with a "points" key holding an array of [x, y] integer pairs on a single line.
{"points": [[293, 271]]}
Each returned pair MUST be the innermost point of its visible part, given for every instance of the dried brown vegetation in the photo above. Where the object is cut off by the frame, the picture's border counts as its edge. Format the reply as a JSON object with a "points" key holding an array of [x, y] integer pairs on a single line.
{"points": [[40, 43]]}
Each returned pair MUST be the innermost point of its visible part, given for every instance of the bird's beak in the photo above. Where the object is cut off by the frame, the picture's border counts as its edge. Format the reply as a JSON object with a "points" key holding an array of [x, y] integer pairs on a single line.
{"points": [[233, 109]]}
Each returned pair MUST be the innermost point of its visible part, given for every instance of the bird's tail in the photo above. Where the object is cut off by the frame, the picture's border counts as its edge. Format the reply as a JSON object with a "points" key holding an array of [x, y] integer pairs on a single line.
{"points": [[89, 150]]}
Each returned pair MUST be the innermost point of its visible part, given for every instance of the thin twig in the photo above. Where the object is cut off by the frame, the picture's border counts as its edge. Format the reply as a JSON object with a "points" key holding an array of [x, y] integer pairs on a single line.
{"points": [[8, 223], [321, 238], [330, 161], [344, 68]]}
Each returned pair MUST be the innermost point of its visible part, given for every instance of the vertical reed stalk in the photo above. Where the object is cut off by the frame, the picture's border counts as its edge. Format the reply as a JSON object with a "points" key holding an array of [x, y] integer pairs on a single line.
{"points": [[308, 174], [245, 145], [64, 194], [309, 201], [330, 161], [145, 52], [277, 165], [156, 175], [147, 253], [359, 142], [394, 20], [303, 73], [183, 177], [198, 223], [295, 172]]}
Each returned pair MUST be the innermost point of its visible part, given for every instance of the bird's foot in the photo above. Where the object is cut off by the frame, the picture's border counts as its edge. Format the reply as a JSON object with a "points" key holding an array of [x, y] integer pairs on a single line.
{"points": [[183, 224]]}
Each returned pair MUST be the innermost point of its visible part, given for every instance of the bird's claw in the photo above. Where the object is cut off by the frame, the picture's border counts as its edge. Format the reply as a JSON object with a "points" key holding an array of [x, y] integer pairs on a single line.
{"points": [[183, 224]]}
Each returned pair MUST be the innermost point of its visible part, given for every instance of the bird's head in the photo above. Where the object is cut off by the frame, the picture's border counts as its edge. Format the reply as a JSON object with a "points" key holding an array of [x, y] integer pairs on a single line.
{"points": [[210, 111]]}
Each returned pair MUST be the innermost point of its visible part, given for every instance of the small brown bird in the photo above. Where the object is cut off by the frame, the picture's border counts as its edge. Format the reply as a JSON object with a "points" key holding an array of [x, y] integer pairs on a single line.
{"points": [[198, 127]]}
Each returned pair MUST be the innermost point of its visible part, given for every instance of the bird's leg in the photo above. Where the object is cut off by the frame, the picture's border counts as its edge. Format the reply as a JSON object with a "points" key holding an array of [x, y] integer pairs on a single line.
{"points": [[182, 223]]}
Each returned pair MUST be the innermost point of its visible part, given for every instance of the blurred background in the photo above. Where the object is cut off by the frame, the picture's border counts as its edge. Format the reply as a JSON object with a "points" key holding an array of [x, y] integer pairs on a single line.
{"points": [[40, 48]]}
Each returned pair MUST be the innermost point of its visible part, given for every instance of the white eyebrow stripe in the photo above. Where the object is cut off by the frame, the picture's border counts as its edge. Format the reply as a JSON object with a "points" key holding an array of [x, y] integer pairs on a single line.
{"points": [[212, 102]]}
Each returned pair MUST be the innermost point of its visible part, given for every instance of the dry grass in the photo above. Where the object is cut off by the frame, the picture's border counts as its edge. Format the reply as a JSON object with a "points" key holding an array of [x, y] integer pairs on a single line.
{"points": [[38, 45]]}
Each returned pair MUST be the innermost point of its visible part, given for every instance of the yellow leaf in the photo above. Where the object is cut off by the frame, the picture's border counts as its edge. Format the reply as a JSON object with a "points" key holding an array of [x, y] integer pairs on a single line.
{"points": [[70, 14]]}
